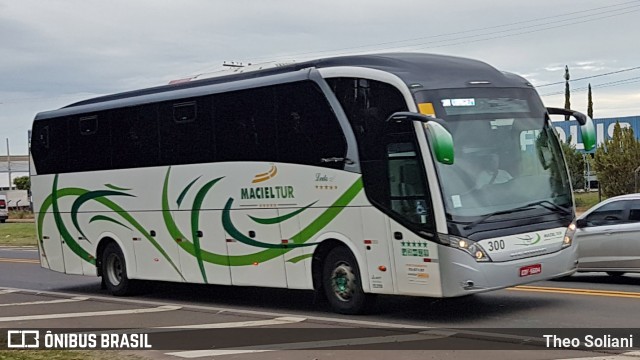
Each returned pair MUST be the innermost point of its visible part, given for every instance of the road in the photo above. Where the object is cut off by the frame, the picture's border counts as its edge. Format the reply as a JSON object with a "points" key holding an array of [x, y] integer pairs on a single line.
{"points": [[495, 322]]}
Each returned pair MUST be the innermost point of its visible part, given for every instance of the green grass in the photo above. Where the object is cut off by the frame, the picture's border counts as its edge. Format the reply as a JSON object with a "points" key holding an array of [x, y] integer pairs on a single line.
{"points": [[18, 234], [585, 200]]}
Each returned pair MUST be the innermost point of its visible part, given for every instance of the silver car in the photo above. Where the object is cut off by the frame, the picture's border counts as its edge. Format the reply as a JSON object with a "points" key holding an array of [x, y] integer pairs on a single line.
{"points": [[608, 236]]}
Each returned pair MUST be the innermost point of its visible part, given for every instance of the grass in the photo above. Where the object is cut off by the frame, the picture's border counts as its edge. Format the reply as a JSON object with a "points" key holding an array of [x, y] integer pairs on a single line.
{"points": [[64, 355], [18, 234], [585, 200]]}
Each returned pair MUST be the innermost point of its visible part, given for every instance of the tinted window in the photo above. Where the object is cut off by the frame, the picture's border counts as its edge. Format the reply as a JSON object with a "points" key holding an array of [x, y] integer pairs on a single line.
{"points": [[245, 125], [634, 211], [89, 142], [307, 129], [407, 184], [611, 213], [186, 131], [134, 137], [49, 145]]}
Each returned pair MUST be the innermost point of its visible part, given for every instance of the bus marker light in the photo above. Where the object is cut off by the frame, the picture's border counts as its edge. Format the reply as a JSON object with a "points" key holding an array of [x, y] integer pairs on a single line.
{"points": [[367, 242], [382, 268], [256, 263], [285, 241], [427, 260]]}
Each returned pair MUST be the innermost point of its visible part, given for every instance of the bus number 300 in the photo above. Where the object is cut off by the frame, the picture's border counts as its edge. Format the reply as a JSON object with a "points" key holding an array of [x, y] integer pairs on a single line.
{"points": [[496, 245]]}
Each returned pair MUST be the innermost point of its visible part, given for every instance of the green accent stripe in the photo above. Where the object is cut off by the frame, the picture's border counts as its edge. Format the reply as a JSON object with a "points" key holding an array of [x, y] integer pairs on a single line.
{"points": [[300, 258], [282, 218], [86, 197], [113, 187], [195, 218], [64, 233], [106, 218], [184, 192]]}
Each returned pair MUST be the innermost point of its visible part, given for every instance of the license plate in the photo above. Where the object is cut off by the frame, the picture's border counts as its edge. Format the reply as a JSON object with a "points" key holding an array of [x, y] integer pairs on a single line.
{"points": [[530, 270]]}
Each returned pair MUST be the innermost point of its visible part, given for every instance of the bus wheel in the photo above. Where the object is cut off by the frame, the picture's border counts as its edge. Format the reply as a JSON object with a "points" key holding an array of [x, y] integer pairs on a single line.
{"points": [[342, 284], [114, 271]]}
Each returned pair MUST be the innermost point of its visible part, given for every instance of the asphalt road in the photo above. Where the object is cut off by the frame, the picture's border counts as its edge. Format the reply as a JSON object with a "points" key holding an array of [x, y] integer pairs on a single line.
{"points": [[495, 322]]}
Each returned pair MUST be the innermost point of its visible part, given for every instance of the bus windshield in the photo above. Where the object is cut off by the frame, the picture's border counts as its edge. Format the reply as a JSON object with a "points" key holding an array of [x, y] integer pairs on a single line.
{"points": [[506, 154]]}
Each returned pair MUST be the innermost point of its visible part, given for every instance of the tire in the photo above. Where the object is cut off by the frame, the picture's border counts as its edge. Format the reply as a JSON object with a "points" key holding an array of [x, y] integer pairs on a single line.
{"points": [[114, 271], [342, 284], [615, 273]]}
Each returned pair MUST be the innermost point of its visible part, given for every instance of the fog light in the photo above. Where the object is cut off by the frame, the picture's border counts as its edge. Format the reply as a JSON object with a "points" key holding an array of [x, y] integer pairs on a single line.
{"points": [[479, 255], [567, 240]]}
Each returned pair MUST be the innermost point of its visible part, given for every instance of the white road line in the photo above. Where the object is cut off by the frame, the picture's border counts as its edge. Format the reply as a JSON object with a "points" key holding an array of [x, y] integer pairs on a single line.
{"points": [[625, 356], [8, 291], [92, 313], [226, 325], [59, 301], [425, 335]]}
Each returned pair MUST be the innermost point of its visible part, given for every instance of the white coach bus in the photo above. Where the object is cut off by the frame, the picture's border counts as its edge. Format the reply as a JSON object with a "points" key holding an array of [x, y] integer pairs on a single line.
{"points": [[336, 175]]}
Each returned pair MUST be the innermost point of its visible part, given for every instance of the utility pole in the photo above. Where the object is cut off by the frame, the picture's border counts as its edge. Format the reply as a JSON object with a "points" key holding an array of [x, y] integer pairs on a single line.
{"points": [[9, 163]]}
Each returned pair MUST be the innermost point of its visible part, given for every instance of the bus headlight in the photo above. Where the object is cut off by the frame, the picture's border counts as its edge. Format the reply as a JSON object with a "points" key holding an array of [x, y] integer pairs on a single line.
{"points": [[568, 235], [469, 246]]}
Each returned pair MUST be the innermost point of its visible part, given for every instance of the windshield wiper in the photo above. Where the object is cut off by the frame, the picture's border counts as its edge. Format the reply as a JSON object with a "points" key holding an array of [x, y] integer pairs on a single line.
{"points": [[543, 203]]}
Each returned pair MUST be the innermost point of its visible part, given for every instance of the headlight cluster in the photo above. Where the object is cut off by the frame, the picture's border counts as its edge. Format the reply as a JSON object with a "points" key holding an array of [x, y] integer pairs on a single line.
{"points": [[469, 246], [568, 235]]}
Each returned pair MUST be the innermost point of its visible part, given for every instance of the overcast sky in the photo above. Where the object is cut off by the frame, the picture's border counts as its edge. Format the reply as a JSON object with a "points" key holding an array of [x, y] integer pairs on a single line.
{"points": [[56, 52]]}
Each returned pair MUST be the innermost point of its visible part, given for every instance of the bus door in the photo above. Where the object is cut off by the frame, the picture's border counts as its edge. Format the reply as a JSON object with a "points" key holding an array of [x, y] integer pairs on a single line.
{"points": [[416, 263], [51, 247]]}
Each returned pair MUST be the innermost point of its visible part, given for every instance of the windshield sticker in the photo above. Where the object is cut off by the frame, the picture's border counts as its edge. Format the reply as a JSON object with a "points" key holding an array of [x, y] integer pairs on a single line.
{"points": [[458, 102], [455, 199]]}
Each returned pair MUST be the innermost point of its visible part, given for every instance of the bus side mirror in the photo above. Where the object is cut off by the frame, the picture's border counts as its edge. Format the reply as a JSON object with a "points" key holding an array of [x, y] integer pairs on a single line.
{"points": [[439, 137], [587, 130]]}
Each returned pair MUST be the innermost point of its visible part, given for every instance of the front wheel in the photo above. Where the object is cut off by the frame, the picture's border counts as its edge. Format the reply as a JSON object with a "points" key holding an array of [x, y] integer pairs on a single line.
{"points": [[114, 271], [342, 283]]}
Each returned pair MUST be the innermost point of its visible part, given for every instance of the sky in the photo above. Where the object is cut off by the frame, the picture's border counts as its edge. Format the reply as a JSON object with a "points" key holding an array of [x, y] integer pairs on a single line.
{"points": [[56, 52]]}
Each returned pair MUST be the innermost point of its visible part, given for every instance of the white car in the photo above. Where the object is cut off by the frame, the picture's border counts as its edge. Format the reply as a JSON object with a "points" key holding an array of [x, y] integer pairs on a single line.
{"points": [[608, 236], [3, 208]]}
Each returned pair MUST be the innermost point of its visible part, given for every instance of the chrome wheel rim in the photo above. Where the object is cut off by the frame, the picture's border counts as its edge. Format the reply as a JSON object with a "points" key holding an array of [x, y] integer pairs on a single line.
{"points": [[114, 269], [343, 282]]}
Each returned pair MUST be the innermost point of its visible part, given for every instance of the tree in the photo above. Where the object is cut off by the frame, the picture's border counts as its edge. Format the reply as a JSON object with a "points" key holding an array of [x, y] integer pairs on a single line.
{"points": [[589, 103], [567, 95], [615, 162], [575, 163], [22, 183]]}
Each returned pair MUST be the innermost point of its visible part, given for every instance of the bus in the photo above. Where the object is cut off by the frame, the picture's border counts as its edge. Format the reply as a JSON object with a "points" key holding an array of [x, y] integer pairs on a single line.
{"points": [[397, 173]]}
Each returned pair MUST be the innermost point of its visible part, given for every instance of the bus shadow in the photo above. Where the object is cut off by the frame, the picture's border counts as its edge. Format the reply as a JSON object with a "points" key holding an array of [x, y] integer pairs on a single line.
{"points": [[601, 278], [463, 310]]}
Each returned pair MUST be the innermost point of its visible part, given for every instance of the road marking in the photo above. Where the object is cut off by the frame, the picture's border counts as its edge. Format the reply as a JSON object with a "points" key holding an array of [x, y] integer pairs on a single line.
{"points": [[625, 356], [622, 294], [277, 321], [25, 261], [92, 313], [421, 336], [59, 301]]}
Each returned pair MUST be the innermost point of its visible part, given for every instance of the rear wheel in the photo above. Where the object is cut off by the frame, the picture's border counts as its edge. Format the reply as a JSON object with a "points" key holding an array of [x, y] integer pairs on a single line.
{"points": [[342, 283], [114, 271]]}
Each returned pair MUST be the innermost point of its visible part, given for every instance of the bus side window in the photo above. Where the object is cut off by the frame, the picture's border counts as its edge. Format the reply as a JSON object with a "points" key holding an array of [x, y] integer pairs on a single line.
{"points": [[307, 128], [89, 142], [134, 137], [244, 125]]}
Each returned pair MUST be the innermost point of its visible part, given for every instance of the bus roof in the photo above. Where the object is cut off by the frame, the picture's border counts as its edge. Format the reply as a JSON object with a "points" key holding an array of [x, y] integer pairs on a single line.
{"points": [[419, 71]]}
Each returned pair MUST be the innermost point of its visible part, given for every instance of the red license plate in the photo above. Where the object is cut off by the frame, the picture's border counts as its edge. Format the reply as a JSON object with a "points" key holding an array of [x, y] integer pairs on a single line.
{"points": [[530, 270]]}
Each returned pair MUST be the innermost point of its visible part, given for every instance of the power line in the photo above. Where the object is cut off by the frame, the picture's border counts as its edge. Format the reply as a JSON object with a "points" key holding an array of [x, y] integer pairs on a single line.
{"points": [[599, 86], [336, 52], [590, 77]]}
